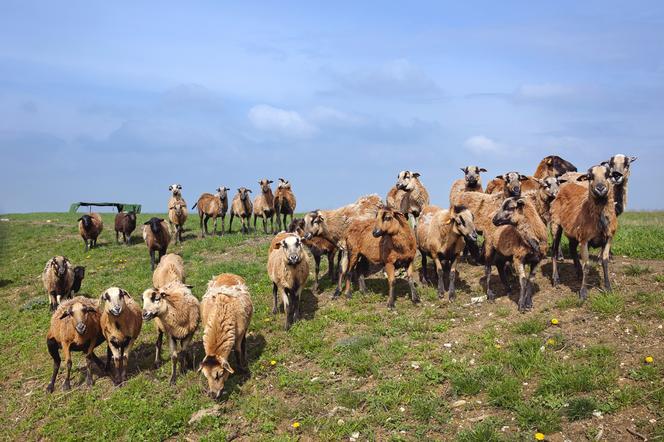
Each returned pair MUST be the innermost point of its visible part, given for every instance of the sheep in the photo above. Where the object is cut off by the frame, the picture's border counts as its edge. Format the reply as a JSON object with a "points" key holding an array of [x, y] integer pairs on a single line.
{"points": [[619, 165], [58, 279], [176, 313], [176, 191], [90, 227], [588, 218], [442, 235], [284, 202], [177, 216], [212, 206], [481, 205], [553, 166], [156, 237], [121, 321], [471, 182], [125, 223], [264, 205], [413, 198], [170, 268], [511, 184], [288, 270], [387, 241], [519, 236], [226, 310], [544, 196], [242, 208], [318, 247], [74, 327]]}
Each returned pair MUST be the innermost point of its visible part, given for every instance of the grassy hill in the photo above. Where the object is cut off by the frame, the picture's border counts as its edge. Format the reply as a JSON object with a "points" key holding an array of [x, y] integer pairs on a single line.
{"points": [[471, 372]]}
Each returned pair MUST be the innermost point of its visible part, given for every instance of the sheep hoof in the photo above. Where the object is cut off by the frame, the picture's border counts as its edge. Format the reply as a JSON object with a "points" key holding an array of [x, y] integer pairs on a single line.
{"points": [[172, 381], [416, 300], [452, 296], [336, 294], [583, 294], [441, 295], [66, 386], [555, 281], [490, 295], [49, 388], [390, 305]]}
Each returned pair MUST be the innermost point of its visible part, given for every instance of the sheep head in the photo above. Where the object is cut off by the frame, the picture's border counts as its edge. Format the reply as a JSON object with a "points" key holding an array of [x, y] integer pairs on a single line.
{"points": [[512, 182], [406, 180], [155, 224], [599, 181], [550, 186], [154, 303], [175, 189], [216, 370], [314, 224], [619, 167], [472, 174], [80, 314], [283, 184], [510, 212], [60, 264], [556, 166], [463, 221], [87, 221], [222, 192], [114, 299], [388, 222], [291, 247], [244, 193], [265, 185]]}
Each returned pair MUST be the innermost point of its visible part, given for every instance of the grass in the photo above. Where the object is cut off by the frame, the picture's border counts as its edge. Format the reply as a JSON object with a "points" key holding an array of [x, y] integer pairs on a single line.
{"points": [[350, 365]]}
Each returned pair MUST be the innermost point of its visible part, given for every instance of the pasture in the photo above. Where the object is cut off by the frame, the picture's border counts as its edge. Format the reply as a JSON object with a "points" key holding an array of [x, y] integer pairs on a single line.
{"points": [[351, 369]]}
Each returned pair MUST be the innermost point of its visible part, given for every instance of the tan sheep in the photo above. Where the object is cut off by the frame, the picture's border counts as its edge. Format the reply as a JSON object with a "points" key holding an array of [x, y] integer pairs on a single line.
{"points": [[511, 184], [212, 206], [156, 237], [242, 208], [74, 327], [170, 268], [226, 310], [619, 165], [284, 203], [58, 279], [176, 313], [318, 247], [121, 324], [177, 217], [288, 270], [90, 227], [471, 182], [415, 195], [264, 205]]}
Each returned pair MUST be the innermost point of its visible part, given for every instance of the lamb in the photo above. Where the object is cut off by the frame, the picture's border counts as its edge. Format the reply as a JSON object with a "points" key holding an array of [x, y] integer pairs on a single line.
{"points": [[413, 198], [318, 247], [157, 237], [90, 227], [74, 327], [226, 309], [125, 223], [284, 202], [588, 218], [288, 270], [176, 313], [386, 241], [521, 237], [242, 208], [619, 165], [177, 216], [170, 268], [264, 205], [212, 206], [511, 184], [442, 235], [471, 182], [553, 166], [121, 323], [58, 279]]}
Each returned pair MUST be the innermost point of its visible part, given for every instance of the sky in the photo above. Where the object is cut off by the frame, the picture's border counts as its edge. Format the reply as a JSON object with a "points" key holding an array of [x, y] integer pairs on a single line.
{"points": [[115, 101]]}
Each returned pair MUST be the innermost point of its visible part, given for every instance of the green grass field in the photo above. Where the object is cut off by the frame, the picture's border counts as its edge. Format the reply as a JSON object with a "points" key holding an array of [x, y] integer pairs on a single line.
{"points": [[351, 368]]}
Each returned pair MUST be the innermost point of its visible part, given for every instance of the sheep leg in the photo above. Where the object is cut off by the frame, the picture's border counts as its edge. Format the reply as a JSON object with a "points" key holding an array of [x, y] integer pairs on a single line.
{"points": [[157, 345], [88, 376], [441, 276], [54, 301], [502, 272], [223, 221], [350, 268], [297, 310], [289, 307], [423, 271], [531, 279], [214, 226], [573, 245], [243, 355], [184, 348], [523, 282], [230, 225], [490, 295], [410, 273], [558, 232], [255, 218], [201, 225], [330, 266], [343, 269], [85, 241], [317, 269], [583, 293], [453, 275], [152, 259], [272, 224], [117, 237], [606, 255], [389, 269], [67, 354], [264, 223], [275, 303], [55, 354], [174, 359], [109, 354]]}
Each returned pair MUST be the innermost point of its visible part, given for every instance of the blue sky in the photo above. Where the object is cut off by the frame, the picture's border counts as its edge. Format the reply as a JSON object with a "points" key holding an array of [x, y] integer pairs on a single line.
{"points": [[111, 101]]}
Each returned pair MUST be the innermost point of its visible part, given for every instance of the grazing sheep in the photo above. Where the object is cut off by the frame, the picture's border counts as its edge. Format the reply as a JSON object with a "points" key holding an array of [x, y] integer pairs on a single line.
{"points": [[242, 208], [387, 241], [587, 216], [511, 184], [521, 237], [58, 279], [471, 182], [177, 216], [442, 235], [176, 313], [125, 223], [212, 206], [318, 247], [553, 166], [170, 268], [619, 166], [157, 237], [226, 310], [413, 198], [121, 323], [74, 327], [90, 227], [288, 270], [264, 205], [79, 274], [284, 202]]}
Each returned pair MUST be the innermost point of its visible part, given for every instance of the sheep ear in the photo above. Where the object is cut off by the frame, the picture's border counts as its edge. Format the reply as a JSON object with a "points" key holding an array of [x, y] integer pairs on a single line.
{"points": [[226, 366], [549, 161], [80, 219], [463, 169], [520, 203], [146, 223], [449, 221], [270, 181], [170, 188], [416, 174], [604, 163], [632, 159], [482, 169], [560, 181], [249, 190], [65, 314], [89, 309], [500, 177], [102, 298], [522, 178], [584, 177]]}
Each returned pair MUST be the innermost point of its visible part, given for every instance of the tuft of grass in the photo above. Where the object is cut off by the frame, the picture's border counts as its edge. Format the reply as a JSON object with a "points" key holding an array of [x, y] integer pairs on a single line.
{"points": [[607, 303], [565, 378], [505, 393], [426, 407], [524, 356], [569, 301], [485, 431], [637, 270], [580, 408], [534, 416], [531, 326]]}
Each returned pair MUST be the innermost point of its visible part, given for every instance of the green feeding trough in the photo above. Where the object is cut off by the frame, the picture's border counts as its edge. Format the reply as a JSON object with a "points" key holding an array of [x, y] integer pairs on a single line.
{"points": [[126, 207]]}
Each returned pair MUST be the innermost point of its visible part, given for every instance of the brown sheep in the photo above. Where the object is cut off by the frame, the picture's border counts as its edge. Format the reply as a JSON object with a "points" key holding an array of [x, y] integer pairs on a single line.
{"points": [[170, 268], [318, 247], [544, 196], [176, 312], [157, 237], [74, 327], [387, 241], [212, 206], [288, 270], [226, 310], [264, 205], [519, 237], [79, 274], [415, 195], [58, 279], [587, 216], [177, 216], [619, 165], [121, 324], [553, 166], [90, 227], [471, 182], [125, 223], [511, 184], [284, 202], [242, 208], [482, 206], [442, 235]]}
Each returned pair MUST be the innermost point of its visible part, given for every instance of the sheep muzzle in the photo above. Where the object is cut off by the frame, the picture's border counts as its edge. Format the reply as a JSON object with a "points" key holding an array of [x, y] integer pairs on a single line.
{"points": [[80, 328], [377, 233]]}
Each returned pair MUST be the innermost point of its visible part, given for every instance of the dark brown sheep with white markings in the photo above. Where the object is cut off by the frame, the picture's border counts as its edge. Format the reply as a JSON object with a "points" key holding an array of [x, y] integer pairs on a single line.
{"points": [[125, 223], [90, 227], [157, 238]]}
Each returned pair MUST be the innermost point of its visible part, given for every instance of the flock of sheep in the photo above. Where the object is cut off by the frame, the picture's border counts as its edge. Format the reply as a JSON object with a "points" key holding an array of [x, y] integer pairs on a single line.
{"points": [[514, 215]]}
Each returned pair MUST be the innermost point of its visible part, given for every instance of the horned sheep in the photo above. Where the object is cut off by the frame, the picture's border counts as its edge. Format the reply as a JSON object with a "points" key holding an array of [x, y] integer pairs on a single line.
{"points": [[284, 203], [471, 182], [242, 208], [619, 166]]}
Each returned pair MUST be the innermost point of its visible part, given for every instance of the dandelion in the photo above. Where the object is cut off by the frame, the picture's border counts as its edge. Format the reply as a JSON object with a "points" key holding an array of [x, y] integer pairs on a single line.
{"points": [[649, 359], [550, 341], [296, 425], [273, 362], [554, 321], [539, 436], [498, 346]]}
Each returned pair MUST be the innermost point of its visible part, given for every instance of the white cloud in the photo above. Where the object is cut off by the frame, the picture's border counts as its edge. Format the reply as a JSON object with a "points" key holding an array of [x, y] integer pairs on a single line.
{"points": [[280, 121], [479, 144], [330, 116]]}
